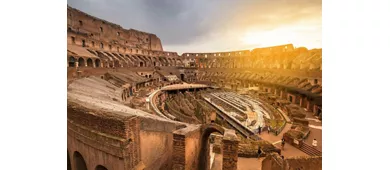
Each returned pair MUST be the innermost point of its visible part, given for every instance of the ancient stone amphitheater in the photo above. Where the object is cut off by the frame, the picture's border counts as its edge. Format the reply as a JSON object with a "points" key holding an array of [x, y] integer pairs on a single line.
{"points": [[132, 105]]}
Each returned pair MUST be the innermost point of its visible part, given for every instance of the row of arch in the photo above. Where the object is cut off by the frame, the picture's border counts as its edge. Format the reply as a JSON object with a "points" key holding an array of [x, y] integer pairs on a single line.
{"points": [[81, 62], [110, 60], [79, 162]]}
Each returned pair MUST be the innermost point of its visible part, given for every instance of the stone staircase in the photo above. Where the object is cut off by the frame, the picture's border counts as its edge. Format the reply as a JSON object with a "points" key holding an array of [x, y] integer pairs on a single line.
{"points": [[310, 150]]}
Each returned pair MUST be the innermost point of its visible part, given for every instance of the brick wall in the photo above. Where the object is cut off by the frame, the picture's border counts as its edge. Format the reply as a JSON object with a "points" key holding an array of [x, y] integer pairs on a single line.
{"points": [[178, 159], [304, 163], [230, 150], [192, 149], [110, 125], [275, 162], [110, 135], [186, 148]]}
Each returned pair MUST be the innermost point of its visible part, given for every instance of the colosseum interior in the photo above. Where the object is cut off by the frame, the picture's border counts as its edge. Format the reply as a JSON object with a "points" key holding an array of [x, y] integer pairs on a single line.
{"points": [[132, 105]]}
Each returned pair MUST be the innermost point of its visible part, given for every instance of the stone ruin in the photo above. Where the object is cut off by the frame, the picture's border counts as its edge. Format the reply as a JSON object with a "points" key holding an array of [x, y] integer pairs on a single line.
{"points": [[117, 77]]}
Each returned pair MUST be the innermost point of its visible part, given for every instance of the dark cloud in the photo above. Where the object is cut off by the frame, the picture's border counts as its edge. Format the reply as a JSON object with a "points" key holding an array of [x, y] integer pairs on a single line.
{"points": [[184, 22]]}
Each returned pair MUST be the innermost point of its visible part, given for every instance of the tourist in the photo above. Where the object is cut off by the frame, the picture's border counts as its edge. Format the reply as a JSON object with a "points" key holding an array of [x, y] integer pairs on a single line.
{"points": [[258, 152], [283, 143], [314, 143], [269, 128], [259, 130]]}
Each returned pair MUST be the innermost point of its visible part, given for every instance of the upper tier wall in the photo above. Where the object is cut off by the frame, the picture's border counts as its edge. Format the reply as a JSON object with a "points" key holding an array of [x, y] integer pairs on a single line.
{"points": [[105, 31]]}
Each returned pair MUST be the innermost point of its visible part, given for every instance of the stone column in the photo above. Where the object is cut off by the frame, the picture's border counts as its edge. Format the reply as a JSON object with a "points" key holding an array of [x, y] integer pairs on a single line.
{"points": [[77, 64], [293, 98], [178, 158], [315, 109], [308, 106], [132, 156], [230, 150]]}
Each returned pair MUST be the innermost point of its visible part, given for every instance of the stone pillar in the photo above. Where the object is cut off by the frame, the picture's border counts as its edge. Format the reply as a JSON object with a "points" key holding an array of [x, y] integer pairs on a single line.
{"points": [[308, 106], [315, 109], [77, 64], [178, 156], [281, 94], [132, 156], [293, 99], [230, 150], [101, 63], [301, 101]]}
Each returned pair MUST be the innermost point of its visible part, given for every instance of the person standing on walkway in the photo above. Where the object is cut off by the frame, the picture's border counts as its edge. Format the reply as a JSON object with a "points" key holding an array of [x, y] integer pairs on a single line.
{"points": [[259, 130], [258, 152], [268, 128], [283, 143], [314, 143]]}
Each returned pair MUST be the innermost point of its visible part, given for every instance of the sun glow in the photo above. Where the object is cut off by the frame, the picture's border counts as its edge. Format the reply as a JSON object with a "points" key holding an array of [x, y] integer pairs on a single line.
{"points": [[298, 35], [270, 38]]}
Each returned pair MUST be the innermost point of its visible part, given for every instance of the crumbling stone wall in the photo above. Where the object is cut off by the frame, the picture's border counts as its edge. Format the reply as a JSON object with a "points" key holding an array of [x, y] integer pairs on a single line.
{"points": [[96, 149], [108, 125], [275, 162], [189, 142], [103, 31], [304, 163], [186, 148], [111, 134], [230, 150]]}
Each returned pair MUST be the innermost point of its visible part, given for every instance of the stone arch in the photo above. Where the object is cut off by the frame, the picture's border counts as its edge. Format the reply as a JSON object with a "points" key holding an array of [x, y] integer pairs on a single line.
{"points": [[72, 61], [97, 63], [100, 167], [89, 62], [68, 160], [81, 62], [79, 161], [204, 156], [106, 64], [116, 63]]}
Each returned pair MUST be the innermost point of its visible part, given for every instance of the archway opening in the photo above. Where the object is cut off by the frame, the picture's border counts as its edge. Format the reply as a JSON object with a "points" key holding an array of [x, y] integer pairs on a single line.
{"points": [[116, 63], [72, 61], [81, 62], [182, 77], [79, 161], [68, 158], [100, 167], [141, 64], [97, 63], [154, 63], [204, 155], [89, 62]]}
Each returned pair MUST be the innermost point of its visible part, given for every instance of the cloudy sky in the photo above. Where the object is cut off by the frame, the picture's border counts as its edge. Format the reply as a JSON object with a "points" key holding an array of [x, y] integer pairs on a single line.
{"points": [[215, 25]]}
